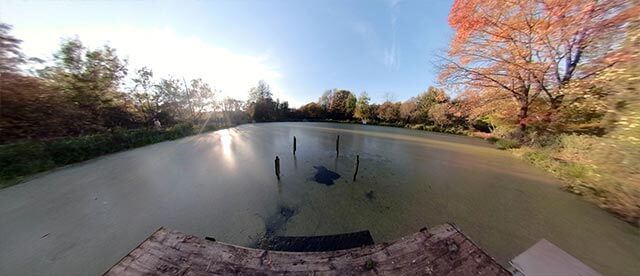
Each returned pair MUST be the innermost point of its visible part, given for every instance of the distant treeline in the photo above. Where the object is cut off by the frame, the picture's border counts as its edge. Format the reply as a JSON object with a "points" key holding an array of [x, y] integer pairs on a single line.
{"points": [[84, 91]]}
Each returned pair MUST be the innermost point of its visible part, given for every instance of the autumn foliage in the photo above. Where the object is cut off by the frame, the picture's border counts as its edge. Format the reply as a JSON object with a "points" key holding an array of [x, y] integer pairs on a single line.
{"points": [[534, 50]]}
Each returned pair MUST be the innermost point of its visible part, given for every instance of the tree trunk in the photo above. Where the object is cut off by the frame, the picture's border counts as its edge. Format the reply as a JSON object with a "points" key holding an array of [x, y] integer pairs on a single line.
{"points": [[522, 119], [554, 105]]}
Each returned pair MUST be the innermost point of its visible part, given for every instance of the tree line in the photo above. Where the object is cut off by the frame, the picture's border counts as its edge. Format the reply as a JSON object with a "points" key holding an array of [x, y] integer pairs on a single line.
{"points": [[87, 91], [84, 91], [433, 107]]}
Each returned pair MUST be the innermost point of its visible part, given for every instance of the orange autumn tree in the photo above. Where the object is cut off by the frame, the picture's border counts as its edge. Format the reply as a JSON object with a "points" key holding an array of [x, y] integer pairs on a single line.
{"points": [[527, 48], [581, 39], [494, 49]]}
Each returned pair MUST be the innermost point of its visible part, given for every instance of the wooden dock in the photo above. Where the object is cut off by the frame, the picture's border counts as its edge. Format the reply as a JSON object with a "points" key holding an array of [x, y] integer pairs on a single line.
{"points": [[442, 250]]}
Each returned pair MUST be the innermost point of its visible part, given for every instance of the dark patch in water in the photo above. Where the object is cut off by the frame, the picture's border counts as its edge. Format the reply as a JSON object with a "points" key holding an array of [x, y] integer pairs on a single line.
{"points": [[325, 176], [286, 212], [278, 221], [320, 243], [274, 224], [370, 195]]}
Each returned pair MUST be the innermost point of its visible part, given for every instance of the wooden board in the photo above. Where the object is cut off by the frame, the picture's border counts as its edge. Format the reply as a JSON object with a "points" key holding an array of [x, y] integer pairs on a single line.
{"points": [[442, 250], [544, 258]]}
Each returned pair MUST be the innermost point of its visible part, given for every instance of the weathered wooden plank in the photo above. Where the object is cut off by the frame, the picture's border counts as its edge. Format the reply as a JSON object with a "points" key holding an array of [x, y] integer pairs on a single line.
{"points": [[443, 250]]}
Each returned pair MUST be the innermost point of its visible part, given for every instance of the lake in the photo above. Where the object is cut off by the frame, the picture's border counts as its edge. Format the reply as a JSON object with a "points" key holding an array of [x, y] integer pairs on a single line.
{"points": [[83, 218]]}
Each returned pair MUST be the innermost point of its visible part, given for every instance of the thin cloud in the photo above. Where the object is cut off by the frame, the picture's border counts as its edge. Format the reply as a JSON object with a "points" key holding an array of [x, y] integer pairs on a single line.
{"points": [[390, 56], [394, 3], [391, 53], [376, 44], [382, 48]]}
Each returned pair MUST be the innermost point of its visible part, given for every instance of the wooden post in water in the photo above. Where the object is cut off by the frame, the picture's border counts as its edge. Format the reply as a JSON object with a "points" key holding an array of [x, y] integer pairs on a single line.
{"points": [[355, 172], [294, 145], [277, 167], [338, 146]]}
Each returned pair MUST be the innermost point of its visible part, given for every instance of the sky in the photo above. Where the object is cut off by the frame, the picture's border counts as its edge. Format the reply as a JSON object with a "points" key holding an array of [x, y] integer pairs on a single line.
{"points": [[300, 48]]}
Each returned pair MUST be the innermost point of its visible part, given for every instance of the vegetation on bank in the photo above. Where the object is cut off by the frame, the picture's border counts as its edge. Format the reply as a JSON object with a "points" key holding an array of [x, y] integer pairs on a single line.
{"points": [[602, 169], [22, 159]]}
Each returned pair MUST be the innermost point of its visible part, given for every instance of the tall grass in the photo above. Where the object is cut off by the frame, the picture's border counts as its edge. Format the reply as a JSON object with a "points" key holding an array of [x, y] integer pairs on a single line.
{"points": [[602, 169]]}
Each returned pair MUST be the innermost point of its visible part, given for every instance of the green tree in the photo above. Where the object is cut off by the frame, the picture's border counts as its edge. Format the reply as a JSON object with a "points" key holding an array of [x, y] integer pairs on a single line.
{"points": [[351, 105], [147, 100], [283, 110], [362, 107], [91, 79], [261, 104], [232, 105], [373, 112], [233, 110], [260, 92], [428, 99], [31, 109], [169, 91], [312, 111], [199, 98], [342, 105]]}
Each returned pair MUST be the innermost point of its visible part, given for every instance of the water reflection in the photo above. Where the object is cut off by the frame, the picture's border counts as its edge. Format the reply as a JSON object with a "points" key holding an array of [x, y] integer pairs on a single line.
{"points": [[224, 148], [225, 142]]}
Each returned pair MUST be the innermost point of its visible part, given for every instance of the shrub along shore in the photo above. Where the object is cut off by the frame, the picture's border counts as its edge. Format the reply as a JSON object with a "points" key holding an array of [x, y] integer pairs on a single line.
{"points": [[601, 169]]}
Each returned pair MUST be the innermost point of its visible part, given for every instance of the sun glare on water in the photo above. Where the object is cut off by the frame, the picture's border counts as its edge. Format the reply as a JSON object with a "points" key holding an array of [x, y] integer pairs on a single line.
{"points": [[225, 142]]}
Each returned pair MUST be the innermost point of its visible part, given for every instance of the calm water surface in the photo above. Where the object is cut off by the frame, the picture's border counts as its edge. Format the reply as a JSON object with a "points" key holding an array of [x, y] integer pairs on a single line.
{"points": [[84, 218]]}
